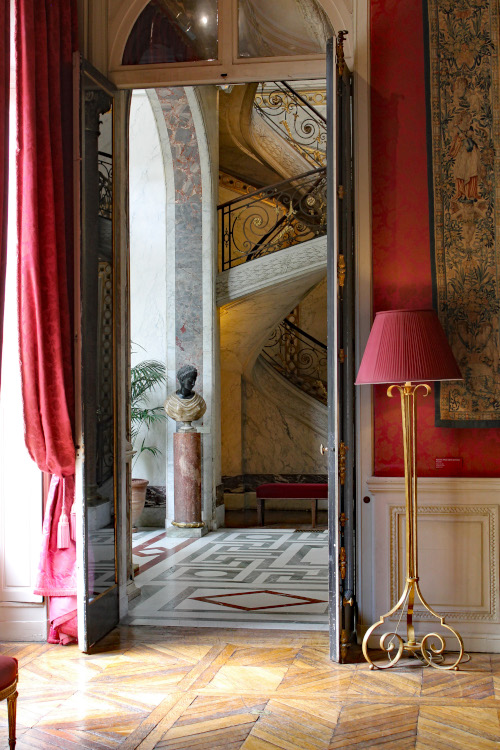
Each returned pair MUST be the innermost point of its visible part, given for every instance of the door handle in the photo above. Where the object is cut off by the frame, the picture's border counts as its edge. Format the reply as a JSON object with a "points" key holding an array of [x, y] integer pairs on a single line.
{"points": [[323, 449]]}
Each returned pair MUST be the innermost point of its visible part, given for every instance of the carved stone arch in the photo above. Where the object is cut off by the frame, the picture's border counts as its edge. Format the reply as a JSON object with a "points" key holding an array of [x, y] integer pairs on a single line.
{"points": [[121, 21], [187, 322]]}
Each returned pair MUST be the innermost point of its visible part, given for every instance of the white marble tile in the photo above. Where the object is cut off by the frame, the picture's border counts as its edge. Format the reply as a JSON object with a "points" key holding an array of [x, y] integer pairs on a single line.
{"points": [[239, 577]]}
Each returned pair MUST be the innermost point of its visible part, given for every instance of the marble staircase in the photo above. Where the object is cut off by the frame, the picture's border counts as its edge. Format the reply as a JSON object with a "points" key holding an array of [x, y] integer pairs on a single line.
{"points": [[269, 426], [255, 297]]}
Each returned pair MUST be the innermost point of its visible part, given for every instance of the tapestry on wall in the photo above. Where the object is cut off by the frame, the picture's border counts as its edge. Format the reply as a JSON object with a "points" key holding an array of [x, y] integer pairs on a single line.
{"points": [[464, 187]]}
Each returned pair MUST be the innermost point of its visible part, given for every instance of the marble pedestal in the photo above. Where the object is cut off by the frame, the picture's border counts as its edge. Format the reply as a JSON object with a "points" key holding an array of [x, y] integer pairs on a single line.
{"points": [[187, 486], [187, 533]]}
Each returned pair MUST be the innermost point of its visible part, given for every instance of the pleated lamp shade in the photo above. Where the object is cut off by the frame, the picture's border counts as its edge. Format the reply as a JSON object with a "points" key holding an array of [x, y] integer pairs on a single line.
{"points": [[407, 346]]}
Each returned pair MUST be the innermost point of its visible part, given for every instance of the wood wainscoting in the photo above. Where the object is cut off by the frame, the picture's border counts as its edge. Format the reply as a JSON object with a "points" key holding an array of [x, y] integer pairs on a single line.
{"points": [[458, 544]]}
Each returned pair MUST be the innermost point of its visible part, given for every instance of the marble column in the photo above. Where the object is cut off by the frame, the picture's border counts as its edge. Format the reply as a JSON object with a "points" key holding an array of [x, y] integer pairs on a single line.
{"points": [[187, 486], [187, 125]]}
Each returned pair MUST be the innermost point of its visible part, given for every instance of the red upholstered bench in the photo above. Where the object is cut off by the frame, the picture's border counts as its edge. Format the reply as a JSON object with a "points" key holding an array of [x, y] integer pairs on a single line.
{"points": [[8, 685], [286, 491]]}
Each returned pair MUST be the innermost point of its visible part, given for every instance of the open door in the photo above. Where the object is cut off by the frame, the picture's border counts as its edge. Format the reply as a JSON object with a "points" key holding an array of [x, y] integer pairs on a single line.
{"points": [[340, 306], [99, 487]]}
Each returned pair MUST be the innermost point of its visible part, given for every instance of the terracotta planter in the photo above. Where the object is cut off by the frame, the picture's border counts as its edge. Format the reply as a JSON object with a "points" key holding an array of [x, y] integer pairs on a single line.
{"points": [[138, 498]]}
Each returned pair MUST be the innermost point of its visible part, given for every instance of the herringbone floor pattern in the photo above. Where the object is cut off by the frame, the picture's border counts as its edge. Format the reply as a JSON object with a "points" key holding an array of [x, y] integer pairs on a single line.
{"points": [[212, 689]]}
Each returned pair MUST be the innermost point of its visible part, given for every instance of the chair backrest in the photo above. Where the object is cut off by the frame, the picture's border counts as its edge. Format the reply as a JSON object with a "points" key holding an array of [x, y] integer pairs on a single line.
{"points": [[8, 672]]}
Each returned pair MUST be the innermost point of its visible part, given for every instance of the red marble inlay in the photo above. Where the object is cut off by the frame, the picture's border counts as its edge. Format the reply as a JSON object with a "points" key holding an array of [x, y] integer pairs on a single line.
{"points": [[147, 549], [305, 600]]}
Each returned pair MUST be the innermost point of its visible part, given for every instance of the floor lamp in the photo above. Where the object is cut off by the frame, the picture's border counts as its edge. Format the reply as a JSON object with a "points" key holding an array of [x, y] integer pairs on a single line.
{"points": [[405, 349]]}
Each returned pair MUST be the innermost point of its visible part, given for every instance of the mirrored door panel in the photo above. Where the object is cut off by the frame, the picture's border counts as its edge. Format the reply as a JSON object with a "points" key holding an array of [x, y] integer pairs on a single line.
{"points": [[99, 603]]}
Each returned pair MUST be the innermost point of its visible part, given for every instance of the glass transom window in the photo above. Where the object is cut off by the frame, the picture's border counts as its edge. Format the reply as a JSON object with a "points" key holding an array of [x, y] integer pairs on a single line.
{"points": [[174, 31], [284, 28]]}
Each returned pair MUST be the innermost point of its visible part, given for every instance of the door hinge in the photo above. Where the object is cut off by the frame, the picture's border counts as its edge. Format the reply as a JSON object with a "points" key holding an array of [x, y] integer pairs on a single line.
{"points": [[343, 562], [343, 448], [341, 356], [344, 644], [340, 192], [341, 270], [342, 520]]}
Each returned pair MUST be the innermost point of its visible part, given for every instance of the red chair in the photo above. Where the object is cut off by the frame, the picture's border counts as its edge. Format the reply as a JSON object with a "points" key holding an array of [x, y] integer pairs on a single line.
{"points": [[8, 689]]}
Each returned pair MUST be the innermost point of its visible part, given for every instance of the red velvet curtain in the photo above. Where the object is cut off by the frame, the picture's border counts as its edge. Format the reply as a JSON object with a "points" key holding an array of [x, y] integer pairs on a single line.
{"points": [[45, 41], [4, 150]]}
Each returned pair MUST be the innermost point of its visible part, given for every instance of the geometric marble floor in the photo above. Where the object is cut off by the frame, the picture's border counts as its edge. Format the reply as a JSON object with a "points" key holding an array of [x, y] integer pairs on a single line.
{"points": [[259, 578], [235, 689]]}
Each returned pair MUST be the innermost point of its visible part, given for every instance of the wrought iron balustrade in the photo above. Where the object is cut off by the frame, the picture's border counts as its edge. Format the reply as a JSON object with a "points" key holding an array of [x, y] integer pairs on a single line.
{"points": [[294, 119], [105, 168], [300, 358], [273, 218]]}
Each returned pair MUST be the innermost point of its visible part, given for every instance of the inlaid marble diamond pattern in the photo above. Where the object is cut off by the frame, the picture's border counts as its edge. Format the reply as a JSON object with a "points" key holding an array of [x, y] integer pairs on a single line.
{"points": [[263, 577], [254, 600]]}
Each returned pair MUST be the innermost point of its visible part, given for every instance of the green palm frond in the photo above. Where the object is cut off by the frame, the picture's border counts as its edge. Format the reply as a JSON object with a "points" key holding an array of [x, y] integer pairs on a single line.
{"points": [[144, 377]]}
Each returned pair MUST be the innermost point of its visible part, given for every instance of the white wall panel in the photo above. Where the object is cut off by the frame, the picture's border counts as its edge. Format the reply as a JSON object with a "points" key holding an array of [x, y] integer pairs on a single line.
{"points": [[20, 479], [458, 546]]}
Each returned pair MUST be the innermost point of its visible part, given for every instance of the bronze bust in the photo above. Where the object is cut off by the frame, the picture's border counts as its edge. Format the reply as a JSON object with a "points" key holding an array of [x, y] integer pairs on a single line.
{"points": [[185, 405]]}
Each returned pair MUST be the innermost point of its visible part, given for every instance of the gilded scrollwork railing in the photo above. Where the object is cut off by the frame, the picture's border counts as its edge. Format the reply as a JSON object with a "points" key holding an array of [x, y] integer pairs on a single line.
{"points": [[273, 218], [295, 119], [300, 358], [105, 435]]}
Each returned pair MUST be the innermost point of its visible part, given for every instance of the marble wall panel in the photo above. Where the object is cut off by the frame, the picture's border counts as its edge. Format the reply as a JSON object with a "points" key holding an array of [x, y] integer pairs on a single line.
{"points": [[187, 197], [276, 442], [231, 418], [147, 190], [312, 312]]}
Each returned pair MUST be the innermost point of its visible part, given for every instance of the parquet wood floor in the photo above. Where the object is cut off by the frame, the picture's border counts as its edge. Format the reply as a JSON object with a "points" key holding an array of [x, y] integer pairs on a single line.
{"points": [[213, 689]]}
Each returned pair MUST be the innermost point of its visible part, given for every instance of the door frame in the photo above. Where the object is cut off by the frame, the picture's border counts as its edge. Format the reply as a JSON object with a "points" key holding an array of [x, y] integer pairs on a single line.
{"points": [[363, 290], [334, 593], [94, 22]]}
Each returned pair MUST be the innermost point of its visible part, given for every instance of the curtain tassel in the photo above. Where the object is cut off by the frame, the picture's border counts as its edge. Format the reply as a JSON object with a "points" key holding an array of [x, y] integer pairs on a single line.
{"points": [[63, 525], [63, 531], [72, 521]]}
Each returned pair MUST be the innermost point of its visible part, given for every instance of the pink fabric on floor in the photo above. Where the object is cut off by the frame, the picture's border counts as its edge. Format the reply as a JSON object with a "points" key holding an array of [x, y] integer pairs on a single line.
{"points": [[63, 620], [56, 576], [57, 567]]}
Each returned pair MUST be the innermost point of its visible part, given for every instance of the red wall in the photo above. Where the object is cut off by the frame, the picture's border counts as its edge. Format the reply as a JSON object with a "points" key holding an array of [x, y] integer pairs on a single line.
{"points": [[401, 244]]}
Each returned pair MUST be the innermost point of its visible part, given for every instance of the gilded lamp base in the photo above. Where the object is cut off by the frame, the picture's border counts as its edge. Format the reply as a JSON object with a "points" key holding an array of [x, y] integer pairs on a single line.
{"points": [[431, 648]]}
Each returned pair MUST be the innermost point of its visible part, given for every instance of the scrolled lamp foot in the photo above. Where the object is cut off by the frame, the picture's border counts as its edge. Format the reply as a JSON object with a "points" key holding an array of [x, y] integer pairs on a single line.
{"points": [[431, 648]]}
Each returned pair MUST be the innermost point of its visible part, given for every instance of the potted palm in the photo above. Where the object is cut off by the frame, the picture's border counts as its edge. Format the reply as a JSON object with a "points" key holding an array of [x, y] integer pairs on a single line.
{"points": [[144, 378]]}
